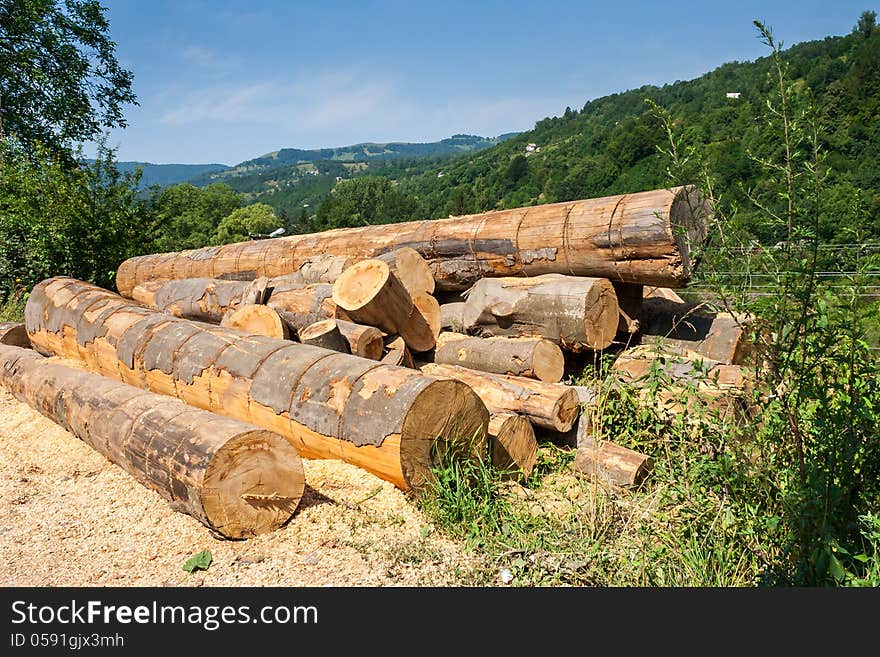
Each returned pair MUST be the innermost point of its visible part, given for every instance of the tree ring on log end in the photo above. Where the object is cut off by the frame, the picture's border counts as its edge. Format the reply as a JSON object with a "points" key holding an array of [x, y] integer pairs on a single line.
{"points": [[446, 417], [601, 314], [360, 283], [253, 484], [565, 410], [548, 362]]}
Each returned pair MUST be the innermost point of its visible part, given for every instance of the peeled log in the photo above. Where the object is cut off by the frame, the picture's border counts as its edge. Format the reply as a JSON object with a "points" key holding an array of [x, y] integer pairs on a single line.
{"points": [[611, 463], [235, 478], [514, 448], [14, 334], [325, 334], [363, 341], [411, 269], [372, 295], [574, 312], [391, 421], [691, 331], [529, 357], [256, 319], [550, 405], [451, 316], [636, 238]]}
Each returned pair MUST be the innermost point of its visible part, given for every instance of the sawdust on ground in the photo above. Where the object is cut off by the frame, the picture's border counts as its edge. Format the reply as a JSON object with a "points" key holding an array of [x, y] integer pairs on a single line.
{"points": [[70, 517]]}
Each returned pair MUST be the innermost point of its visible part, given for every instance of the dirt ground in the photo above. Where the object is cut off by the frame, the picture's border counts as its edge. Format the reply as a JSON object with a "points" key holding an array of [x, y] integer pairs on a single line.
{"points": [[70, 517]]}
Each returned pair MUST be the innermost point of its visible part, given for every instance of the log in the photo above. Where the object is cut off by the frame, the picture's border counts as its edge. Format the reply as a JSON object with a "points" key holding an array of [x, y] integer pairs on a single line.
{"points": [[256, 319], [299, 307], [397, 353], [550, 405], [644, 238], [325, 334], [235, 478], [514, 448], [321, 268], [411, 269], [363, 341], [638, 363], [372, 295], [690, 330], [576, 313], [14, 335], [203, 299], [534, 358], [611, 463], [391, 421], [587, 400], [451, 316]]}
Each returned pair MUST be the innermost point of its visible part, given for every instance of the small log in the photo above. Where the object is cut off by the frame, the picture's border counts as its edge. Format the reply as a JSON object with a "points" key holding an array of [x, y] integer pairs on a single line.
{"points": [[428, 307], [574, 312], [689, 329], [451, 316], [411, 269], [391, 421], [256, 319], [534, 358], [550, 405], [514, 448], [637, 363], [235, 478], [611, 463], [372, 295], [363, 341], [14, 334], [325, 334], [300, 306], [583, 426], [397, 353]]}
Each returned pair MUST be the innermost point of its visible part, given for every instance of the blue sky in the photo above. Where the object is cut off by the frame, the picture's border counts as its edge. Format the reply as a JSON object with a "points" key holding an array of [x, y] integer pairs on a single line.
{"points": [[223, 81]]}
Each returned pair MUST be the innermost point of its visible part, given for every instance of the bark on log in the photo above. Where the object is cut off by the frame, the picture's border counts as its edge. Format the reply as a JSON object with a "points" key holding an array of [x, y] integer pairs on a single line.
{"points": [[587, 398], [637, 363], [14, 335], [574, 312], [637, 238], [550, 405], [372, 295], [203, 299], [451, 316], [397, 353], [688, 330], [323, 268], [235, 478], [256, 319], [411, 269], [299, 307], [391, 421], [514, 448], [533, 358], [611, 463], [363, 341], [325, 334]]}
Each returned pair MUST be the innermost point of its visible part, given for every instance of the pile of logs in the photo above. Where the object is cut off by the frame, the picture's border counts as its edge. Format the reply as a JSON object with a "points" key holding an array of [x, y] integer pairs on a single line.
{"points": [[389, 347]]}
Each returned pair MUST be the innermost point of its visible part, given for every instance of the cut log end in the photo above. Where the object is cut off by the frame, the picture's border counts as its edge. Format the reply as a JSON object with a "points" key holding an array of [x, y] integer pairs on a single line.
{"points": [[514, 447], [360, 283], [566, 410], [548, 363], [14, 334], [446, 420], [690, 216], [611, 463], [601, 315], [253, 484], [325, 334], [256, 319]]}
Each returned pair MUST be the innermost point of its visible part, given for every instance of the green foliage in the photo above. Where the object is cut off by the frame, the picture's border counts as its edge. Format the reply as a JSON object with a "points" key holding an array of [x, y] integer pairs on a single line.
{"points": [[189, 217], [364, 201], [59, 79], [57, 219], [241, 223], [198, 561]]}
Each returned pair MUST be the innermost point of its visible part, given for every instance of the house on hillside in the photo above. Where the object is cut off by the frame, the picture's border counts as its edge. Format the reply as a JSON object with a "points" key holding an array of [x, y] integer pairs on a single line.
{"points": [[733, 94]]}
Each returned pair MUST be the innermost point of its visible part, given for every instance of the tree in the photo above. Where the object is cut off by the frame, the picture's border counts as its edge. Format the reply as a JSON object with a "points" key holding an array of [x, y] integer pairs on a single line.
{"points": [[60, 82], [256, 219], [867, 24], [188, 217]]}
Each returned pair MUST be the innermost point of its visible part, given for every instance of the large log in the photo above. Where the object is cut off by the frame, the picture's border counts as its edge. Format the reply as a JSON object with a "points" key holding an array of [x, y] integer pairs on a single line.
{"points": [[322, 268], [550, 405], [14, 335], [411, 269], [235, 478], [534, 358], [388, 420], [644, 237], [576, 313], [256, 319], [299, 307], [371, 294], [203, 299]]}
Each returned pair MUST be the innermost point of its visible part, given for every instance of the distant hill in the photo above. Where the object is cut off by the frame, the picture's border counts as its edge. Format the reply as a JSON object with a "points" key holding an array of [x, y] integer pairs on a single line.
{"points": [[168, 174]]}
